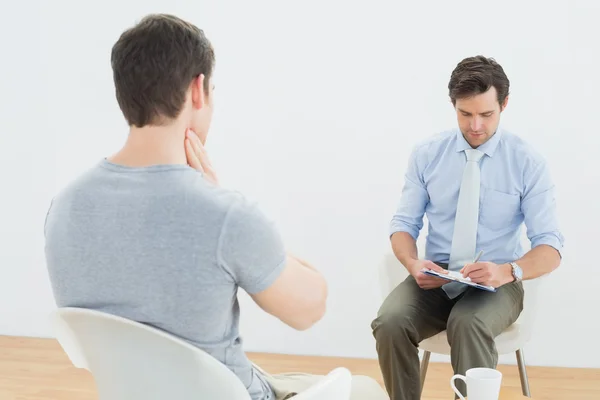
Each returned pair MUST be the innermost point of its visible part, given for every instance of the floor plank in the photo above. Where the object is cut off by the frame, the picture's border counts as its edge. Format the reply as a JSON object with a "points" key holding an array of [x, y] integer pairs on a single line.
{"points": [[38, 369]]}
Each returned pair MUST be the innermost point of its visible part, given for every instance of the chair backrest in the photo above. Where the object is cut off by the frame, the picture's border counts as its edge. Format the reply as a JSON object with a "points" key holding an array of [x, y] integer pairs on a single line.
{"points": [[391, 273], [132, 361], [337, 385]]}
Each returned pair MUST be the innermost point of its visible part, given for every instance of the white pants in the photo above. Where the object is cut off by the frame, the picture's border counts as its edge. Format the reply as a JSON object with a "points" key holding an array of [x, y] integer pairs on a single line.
{"points": [[287, 385]]}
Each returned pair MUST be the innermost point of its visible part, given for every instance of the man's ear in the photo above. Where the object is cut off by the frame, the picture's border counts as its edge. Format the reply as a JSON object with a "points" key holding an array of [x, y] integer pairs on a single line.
{"points": [[198, 97], [504, 104]]}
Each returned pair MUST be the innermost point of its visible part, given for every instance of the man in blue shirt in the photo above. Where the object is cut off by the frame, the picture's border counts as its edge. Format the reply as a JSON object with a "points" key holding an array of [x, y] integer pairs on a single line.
{"points": [[478, 185]]}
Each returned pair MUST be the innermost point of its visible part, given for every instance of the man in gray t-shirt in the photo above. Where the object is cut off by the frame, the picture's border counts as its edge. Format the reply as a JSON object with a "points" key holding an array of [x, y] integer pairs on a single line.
{"points": [[161, 245], [149, 235]]}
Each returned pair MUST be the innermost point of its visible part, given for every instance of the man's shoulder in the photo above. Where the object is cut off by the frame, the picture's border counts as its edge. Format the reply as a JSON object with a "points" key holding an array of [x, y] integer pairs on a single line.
{"points": [[244, 212], [78, 185], [438, 138], [434, 143], [174, 188], [521, 149]]}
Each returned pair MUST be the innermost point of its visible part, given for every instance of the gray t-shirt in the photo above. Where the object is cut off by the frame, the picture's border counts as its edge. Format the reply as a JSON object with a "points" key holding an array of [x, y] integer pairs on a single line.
{"points": [[162, 246]]}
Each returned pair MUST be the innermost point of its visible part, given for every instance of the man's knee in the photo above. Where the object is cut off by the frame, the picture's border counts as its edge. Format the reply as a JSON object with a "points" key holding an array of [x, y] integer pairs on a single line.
{"points": [[395, 325], [467, 326]]}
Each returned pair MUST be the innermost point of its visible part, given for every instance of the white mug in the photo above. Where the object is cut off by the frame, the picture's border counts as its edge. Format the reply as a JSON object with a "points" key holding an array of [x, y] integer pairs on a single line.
{"points": [[482, 384]]}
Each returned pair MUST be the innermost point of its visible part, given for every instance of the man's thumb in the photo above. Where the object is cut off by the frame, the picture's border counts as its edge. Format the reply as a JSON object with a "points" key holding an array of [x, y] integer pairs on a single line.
{"points": [[433, 266]]}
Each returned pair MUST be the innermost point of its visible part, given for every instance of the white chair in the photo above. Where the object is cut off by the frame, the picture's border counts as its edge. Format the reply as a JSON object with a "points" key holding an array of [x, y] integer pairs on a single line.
{"points": [[512, 340], [337, 385], [132, 361]]}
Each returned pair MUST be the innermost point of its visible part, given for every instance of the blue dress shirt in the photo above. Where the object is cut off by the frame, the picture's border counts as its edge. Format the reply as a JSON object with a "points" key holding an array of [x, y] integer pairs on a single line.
{"points": [[516, 188]]}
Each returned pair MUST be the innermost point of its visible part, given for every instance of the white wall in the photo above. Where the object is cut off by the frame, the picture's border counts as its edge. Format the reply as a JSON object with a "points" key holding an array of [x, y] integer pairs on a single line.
{"points": [[318, 106]]}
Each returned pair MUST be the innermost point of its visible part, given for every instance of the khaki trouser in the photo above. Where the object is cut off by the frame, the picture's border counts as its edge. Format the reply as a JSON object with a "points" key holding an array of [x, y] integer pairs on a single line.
{"points": [[287, 385], [472, 320]]}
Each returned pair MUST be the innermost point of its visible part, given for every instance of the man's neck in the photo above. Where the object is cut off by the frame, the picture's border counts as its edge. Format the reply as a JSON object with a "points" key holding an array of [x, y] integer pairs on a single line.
{"points": [[156, 145]]}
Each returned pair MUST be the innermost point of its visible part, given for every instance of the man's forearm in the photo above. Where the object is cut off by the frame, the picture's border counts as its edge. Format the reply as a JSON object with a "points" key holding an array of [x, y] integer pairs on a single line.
{"points": [[405, 249], [538, 261]]}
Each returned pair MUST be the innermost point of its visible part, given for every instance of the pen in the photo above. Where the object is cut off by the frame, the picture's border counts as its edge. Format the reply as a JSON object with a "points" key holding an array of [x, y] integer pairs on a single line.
{"points": [[477, 257]]}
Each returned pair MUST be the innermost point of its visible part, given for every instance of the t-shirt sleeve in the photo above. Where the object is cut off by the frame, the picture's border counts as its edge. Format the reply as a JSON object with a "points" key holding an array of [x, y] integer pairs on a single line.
{"points": [[250, 248]]}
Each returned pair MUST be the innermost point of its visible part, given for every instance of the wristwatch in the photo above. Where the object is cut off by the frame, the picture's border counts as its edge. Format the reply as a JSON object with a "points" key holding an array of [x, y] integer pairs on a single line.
{"points": [[517, 272]]}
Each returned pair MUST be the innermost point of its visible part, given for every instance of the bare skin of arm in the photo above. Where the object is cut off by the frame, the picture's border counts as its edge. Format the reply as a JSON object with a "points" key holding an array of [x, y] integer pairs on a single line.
{"points": [[298, 296], [405, 249], [536, 262]]}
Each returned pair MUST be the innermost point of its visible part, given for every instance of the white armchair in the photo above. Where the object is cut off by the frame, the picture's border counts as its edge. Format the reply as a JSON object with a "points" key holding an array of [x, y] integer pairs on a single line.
{"points": [[512, 340], [132, 361]]}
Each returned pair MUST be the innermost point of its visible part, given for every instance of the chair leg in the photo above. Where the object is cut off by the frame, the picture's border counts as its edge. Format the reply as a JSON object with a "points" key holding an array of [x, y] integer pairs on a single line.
{"points": [[424, 365], [523, 373]]}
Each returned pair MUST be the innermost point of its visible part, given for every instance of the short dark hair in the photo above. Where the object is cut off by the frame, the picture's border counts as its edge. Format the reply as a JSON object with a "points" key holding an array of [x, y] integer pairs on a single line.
{"points": [[476, 75], [154, 63]]}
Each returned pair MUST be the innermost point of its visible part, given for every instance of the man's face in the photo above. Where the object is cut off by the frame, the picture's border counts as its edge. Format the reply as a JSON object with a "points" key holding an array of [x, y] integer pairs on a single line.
{"points": [[479, 116]]}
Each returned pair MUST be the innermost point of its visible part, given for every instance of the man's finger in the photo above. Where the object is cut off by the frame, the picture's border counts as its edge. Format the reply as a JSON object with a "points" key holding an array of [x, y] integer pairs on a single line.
{"points": [[434, 267], [200, 151], [196, 140], [425, 282], [195, 144], [192, 158], [479, 274], [481, 279], [467, 269]]}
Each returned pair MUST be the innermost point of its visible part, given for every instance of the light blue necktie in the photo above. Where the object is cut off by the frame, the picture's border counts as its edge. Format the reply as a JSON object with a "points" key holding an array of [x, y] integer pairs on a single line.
{"points": [[464, 238]]}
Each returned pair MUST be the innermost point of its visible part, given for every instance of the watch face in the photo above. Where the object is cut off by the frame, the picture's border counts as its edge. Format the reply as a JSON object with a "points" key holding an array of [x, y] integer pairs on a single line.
{"points": [[517, 271]]}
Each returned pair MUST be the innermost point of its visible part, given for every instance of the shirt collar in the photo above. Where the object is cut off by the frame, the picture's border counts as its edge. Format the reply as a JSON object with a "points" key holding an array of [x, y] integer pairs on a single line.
{"points": [[488, 147]]}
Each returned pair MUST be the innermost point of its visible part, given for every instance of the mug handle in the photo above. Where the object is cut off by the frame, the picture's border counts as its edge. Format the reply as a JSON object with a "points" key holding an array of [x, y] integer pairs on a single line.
{"points": [[462, 378]]}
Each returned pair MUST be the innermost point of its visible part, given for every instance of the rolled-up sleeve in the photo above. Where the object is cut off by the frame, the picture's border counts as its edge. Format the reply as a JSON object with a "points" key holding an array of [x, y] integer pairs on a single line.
{"points": [[414, 199], [539, 208]]}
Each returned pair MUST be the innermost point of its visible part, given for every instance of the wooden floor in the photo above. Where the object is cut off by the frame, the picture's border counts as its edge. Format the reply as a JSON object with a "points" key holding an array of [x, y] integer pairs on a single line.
{"points": [[38, 369]]}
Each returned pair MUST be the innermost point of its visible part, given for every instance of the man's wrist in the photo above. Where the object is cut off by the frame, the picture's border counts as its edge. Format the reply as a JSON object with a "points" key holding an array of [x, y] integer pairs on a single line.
{"points": [[507, 273], [410, 265]]}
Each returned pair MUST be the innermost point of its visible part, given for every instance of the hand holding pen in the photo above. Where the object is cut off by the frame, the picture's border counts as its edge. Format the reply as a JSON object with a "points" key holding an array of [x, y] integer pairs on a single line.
{"points": [[486, 273]]}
